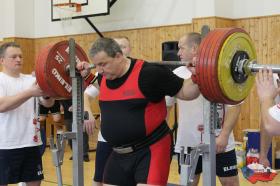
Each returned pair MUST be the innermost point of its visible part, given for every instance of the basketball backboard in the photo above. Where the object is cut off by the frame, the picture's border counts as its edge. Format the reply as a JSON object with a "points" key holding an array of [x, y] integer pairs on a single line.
{"points": [[75, 9]]}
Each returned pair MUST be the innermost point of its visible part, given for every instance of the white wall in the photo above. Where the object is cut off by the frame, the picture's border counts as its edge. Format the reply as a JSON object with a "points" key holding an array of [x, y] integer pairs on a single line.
{"points": [[246, 8], [24, 18], [203, 8], [33, 17], [7, 18], [225, 8], [253, 8]]}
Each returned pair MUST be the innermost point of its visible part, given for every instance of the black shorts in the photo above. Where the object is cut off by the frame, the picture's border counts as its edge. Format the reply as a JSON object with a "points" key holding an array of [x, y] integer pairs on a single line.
{"points": [[103, 151], [226, 164], [20, 165], [149, 165], [55, 109]]}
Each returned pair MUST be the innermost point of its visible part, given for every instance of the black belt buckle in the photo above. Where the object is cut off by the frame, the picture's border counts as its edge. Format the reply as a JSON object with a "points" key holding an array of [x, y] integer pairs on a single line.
{"points": [[123, 150], [156, 135]]}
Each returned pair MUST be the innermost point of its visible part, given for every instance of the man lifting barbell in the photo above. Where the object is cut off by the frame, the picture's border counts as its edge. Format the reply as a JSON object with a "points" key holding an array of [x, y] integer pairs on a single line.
{"points": [[103, 149], [133, 114]]}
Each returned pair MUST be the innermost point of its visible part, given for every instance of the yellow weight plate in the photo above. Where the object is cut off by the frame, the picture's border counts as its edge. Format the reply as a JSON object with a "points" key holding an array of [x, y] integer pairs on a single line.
{"points": [[238, 41]]}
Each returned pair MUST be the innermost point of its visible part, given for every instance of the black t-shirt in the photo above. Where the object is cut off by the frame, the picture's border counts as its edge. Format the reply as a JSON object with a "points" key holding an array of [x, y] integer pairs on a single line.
{"points": [[155, 81]]}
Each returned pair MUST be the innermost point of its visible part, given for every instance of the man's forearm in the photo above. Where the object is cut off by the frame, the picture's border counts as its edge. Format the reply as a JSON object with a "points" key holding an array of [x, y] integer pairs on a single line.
{"points": [[8, 103], [266, 140], [271, 125], [189, 91], [231, 118]]}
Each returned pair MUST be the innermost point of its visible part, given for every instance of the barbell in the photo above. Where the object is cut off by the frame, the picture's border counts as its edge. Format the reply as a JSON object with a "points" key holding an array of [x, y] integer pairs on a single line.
{"points": [[224, 70]]}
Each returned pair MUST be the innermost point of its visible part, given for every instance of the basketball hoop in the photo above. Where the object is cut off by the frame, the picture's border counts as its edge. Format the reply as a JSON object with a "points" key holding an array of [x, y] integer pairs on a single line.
{"points": [[81, 9], [66, 11], [77, 6]]}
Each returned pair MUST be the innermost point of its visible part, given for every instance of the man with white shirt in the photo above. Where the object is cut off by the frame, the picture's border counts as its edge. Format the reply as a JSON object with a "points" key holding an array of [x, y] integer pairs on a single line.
{"points": [[20, 159], [190, 121]]}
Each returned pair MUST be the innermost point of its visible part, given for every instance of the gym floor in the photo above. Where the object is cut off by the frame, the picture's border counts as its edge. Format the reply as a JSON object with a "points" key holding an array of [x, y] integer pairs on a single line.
{"points": [[50, 172]]}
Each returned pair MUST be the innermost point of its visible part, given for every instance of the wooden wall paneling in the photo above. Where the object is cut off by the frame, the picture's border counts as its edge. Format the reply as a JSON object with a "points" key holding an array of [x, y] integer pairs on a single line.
{"points": [[264, 46], [254, 105], [276, 35], [270, 41], [224, 22], [255, 100], [255, 31], [197, 23], [134, 40], [157, 45], [147, 44], [173, 33], [273, 37]]}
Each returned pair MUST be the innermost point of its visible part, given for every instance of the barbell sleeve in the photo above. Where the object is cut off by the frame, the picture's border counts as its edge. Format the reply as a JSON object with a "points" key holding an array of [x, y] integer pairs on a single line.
{"points": [[254, 67]]}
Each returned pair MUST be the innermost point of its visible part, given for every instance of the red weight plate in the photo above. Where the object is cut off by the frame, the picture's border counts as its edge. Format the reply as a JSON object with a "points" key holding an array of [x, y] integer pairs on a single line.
{"points": [[198, 72], [208, 92], [208, 71], [51, 72], [204, 68], [200, 68], [207, 65]]}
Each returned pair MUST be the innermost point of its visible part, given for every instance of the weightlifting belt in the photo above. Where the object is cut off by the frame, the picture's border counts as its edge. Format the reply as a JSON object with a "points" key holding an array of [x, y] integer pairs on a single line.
{"points": [[155, 136]]}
